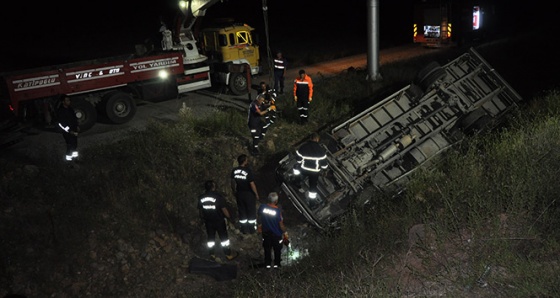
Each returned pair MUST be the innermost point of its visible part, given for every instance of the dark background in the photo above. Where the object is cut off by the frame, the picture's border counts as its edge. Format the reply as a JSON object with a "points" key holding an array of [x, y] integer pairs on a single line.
{"points": [[52, 32], [48, 32]]}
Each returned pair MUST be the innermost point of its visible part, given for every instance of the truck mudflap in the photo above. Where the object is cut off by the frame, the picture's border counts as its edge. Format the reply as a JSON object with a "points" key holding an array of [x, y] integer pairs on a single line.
{"points": [[379, 148]]}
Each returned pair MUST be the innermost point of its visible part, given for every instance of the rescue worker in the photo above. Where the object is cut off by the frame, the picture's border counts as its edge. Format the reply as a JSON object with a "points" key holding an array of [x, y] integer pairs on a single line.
{"points": [[303, 95], [311, 158], [213, 211], [271, 227], [269, 100], [245, 190], [280, 65], [68, 123], [255, 122]]}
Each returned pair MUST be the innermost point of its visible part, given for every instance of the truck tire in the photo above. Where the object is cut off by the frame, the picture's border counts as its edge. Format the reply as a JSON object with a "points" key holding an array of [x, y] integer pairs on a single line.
{"points": [[482, 125], [86, 114], [472, 121], [118, 107], [238, 83], [414, 92], [429, 75]]}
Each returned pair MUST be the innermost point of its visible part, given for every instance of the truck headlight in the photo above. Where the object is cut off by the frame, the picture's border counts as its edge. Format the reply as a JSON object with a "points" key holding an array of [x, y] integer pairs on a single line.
{"points": [[163, 74]]}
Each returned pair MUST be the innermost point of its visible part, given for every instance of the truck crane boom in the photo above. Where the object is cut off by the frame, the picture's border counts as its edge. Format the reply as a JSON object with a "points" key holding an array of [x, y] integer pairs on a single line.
{"points": [[192, 10]]}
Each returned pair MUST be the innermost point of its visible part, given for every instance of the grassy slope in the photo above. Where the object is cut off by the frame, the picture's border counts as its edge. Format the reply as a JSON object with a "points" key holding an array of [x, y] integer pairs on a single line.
{"points": [[137, 193]]}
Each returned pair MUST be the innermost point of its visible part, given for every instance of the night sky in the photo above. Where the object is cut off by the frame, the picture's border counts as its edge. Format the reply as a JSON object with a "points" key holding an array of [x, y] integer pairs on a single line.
{"points": [[50, 32], [43, 32]]}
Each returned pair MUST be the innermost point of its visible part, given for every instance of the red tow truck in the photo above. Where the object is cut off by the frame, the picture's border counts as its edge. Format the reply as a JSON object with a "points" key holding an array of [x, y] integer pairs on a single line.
{"points": [[109, 87]]}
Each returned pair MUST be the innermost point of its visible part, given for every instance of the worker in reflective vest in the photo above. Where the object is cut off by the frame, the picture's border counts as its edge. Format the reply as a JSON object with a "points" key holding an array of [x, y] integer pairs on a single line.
{"points": [[279, 72], [269, 100], [271, 227], [68, 125], [303, 95], [311, 160], [212, 209], [245, 190]]}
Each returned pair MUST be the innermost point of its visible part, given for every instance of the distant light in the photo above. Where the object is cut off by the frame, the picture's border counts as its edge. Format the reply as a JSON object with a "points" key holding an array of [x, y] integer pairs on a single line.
{"points": [[163, 74], [476, 18]]}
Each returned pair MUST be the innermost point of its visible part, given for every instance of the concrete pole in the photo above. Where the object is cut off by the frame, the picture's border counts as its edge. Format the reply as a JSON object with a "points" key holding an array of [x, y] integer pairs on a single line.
{"points": [[373, 40]]}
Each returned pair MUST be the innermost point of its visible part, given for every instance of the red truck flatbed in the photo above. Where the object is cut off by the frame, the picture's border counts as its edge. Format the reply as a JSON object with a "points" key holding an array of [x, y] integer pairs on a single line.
{"points": [[110, 87], [86, 76]]}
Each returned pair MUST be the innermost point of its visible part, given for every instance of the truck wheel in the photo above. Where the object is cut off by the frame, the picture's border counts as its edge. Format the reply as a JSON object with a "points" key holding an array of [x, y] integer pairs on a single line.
{"points": [[482, 125], [238, 84], [86, 114], [119, 107], [472, 120], [414, 92], [429, 75]]}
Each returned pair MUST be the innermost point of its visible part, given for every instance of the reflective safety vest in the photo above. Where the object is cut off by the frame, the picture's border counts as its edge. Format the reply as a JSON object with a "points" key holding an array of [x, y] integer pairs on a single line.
{"points": [[312, 157], [279, 64]]}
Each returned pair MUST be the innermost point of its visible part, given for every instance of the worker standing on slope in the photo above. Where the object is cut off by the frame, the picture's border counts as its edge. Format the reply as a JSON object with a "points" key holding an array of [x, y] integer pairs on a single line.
{"points": [[68, 123], [303, 95], [212, 209], [280, 65], [245, 190], [311, 158], [255, 122], [269, 100], [271, 227]]}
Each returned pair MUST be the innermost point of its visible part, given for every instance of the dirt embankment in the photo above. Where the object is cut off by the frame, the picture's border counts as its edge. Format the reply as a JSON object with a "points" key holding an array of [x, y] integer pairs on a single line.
{"points": [[160, 267]]}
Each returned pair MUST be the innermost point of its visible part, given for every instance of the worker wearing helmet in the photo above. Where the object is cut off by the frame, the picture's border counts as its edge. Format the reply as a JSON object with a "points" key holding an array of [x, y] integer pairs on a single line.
{"points": [[255, 122], [245, 190], [303, 95], [311, 159], [271, 227], [212, 209]]}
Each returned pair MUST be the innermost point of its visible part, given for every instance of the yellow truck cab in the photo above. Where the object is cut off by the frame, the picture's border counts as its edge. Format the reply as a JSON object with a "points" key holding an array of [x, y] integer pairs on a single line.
{"points": [[232, 52]]}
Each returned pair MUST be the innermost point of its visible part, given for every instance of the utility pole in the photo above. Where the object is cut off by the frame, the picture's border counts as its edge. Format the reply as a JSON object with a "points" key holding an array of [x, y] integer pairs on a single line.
{"points": [[373, 40]]}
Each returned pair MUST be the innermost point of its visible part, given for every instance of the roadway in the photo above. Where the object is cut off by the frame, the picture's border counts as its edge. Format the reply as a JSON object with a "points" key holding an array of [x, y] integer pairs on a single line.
{"points": [[40, 144]]}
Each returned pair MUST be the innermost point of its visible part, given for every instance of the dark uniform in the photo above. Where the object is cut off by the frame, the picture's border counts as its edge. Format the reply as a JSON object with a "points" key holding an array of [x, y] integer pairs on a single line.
{"points": [[311, 159], [243, 182], [255, 123], [269, 100], [271, 225], [280, 65], [68, 124], [303, 95], [211, 206]]}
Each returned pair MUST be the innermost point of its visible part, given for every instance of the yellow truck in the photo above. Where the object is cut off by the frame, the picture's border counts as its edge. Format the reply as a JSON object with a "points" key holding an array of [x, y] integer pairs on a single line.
{"points": [[226, 51]]}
